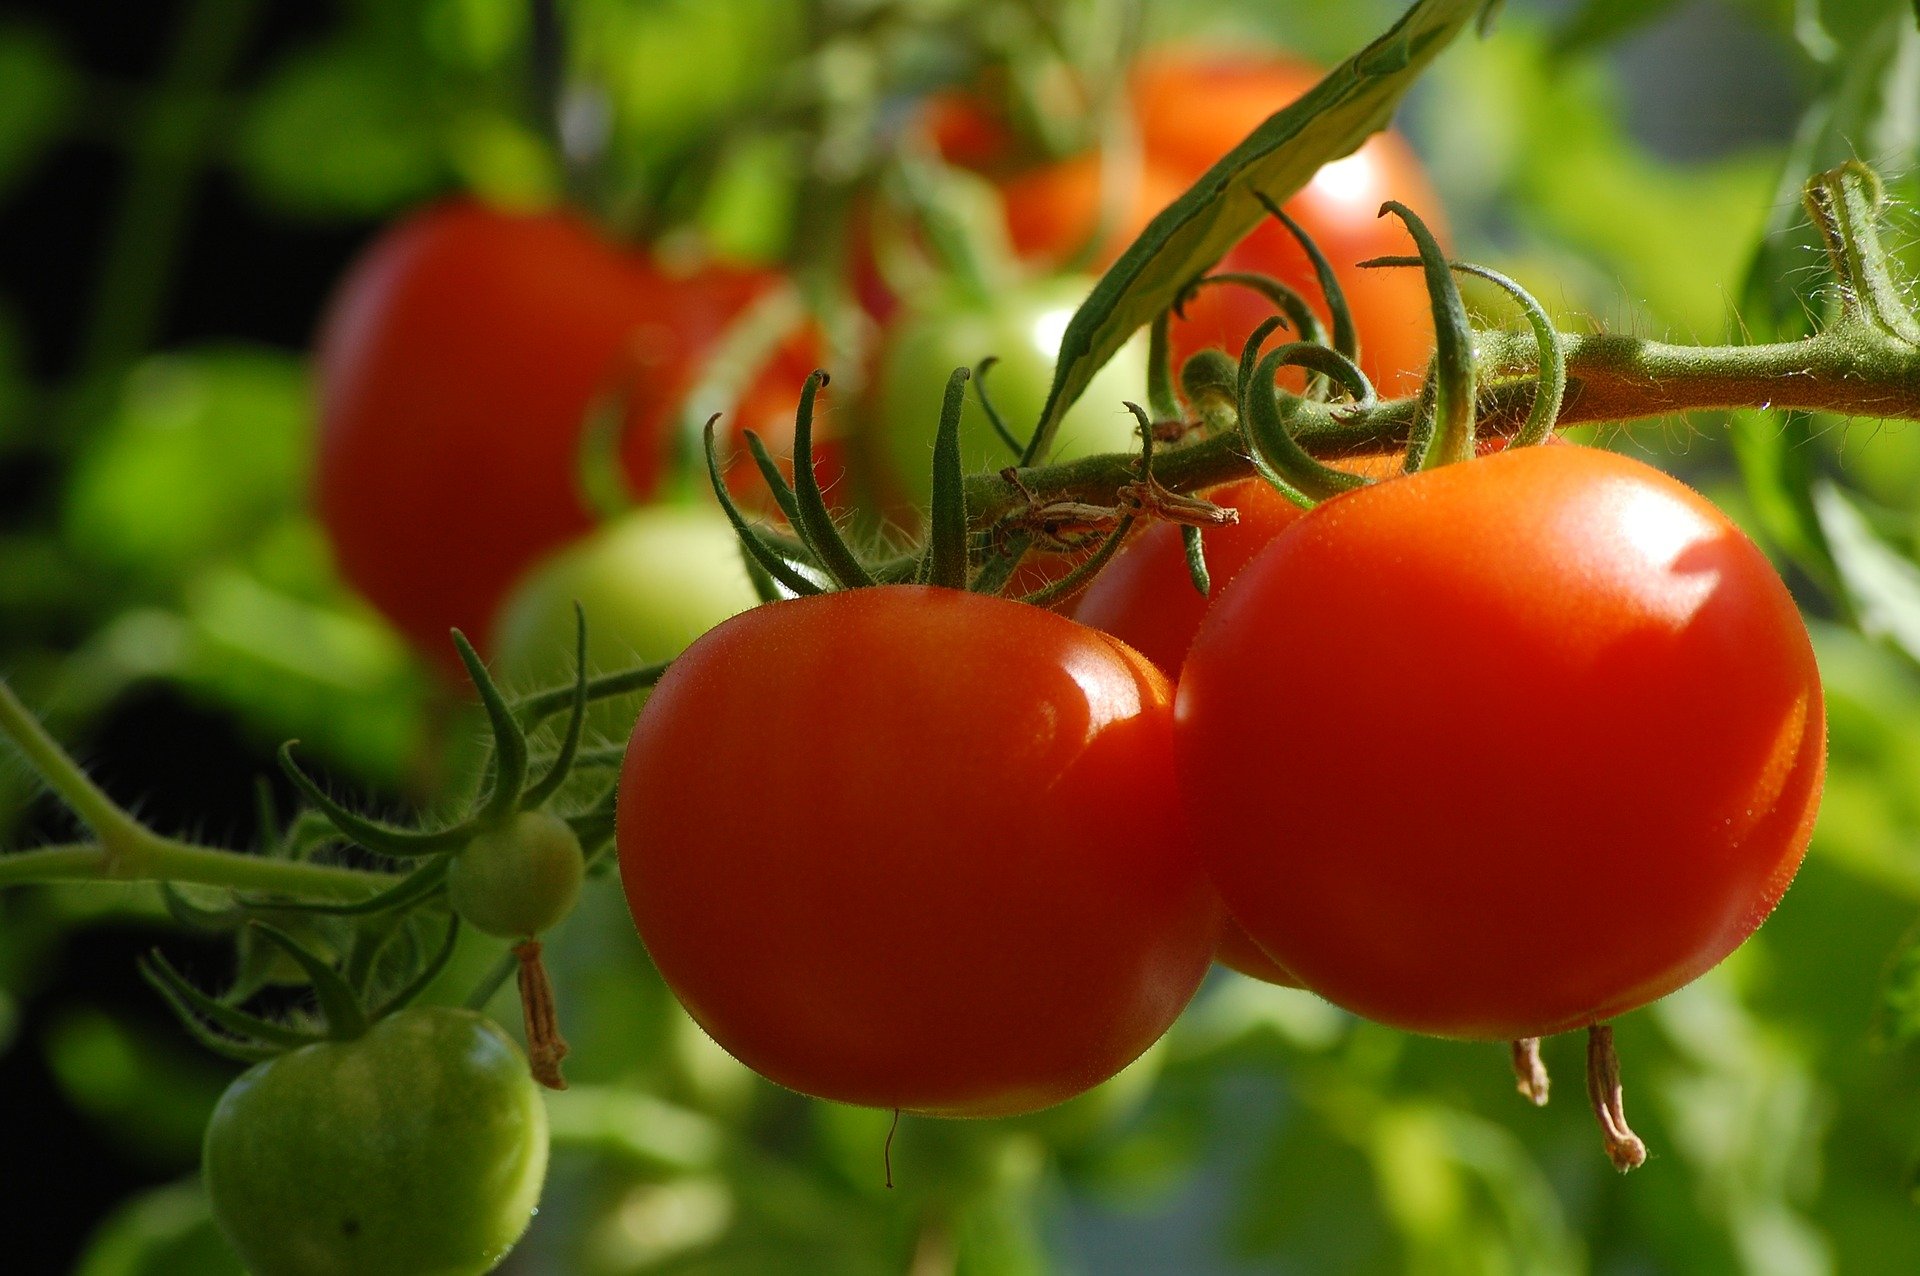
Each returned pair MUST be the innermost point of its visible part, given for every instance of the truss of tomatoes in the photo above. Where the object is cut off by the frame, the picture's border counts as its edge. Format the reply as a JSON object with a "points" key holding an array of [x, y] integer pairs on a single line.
{"points": [[1492, 751]]}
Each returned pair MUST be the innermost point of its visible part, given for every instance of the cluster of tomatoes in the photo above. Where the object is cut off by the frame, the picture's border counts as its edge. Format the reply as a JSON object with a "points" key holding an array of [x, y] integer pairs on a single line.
{"points": [[1493, 750]]}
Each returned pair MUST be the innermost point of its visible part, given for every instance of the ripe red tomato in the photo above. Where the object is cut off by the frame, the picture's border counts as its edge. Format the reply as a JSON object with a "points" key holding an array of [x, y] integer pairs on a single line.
{"points": [[912, 848], [1191, 108], [1505, 748], [1145, 596], [456, 365]]}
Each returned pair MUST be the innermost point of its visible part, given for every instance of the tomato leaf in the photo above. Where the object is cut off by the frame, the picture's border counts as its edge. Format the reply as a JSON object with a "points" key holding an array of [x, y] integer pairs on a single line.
{"points": [[1881, 585], [1355, 100]]}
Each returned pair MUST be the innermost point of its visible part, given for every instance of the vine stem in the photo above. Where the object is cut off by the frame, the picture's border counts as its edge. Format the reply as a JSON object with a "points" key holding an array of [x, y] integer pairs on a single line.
{"points": [[1848, 369], [129, 851], [154, 858]]}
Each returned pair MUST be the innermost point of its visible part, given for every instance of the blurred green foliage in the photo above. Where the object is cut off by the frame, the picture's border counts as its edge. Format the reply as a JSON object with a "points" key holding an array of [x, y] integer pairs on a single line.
{"points": [[1269, 1132]]}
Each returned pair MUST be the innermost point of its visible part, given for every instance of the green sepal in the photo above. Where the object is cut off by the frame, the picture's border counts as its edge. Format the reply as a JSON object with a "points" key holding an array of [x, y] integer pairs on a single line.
{"points": [[763, 587], [407, 992], [1275, 450], [193, 916], [1077, 579], [1197, 572], [374, 835], [1296, 309], [750, 540], [536, 708], [1250, 355], [197, 1009], [509, 738], [339, 1006], [1453, 368], [816, 526], [1346, 334], [1211, 381], [947, 522], [556, 773], [776, 481], [994, 419], [999, 567], [1160, 396], [370, 940], [411, 889]]}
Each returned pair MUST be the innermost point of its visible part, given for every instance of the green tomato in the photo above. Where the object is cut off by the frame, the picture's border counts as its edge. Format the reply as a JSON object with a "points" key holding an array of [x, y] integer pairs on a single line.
{"points": [[650, 581], [1022, 329], [516, 880], [417, 1149]]}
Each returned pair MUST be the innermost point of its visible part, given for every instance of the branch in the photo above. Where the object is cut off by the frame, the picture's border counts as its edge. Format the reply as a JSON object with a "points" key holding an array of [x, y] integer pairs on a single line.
{"points": [[1846, 370]]}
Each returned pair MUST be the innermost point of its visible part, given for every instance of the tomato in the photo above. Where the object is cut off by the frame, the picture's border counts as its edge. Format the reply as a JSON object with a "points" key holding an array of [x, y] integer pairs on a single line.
{"points": [[1022, 328], [908, 847], [417, 1148], [1145, 595], [456, 365], [1505, 748], [649, 582], [1190, 108], [517, 879]]}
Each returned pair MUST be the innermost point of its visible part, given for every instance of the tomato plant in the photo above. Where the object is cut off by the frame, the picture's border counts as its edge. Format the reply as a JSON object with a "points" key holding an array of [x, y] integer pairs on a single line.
{"points": [[457, 363], [1504, 748], [1020, 328], [648, 583], [912, 848], [418, 1147], [1190, 108]]}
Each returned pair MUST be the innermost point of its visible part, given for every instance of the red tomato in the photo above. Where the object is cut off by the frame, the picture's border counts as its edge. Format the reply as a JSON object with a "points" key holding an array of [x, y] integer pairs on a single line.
{"points": [[911, 848], [1611, 645], [1191, 108], [1145, 596], [456, 364]]}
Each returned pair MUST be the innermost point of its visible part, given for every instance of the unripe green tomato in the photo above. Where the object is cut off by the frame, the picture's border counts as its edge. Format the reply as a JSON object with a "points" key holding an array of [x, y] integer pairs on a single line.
{"points": [[1022, 328], [519, 878], [417, 1149], [650, 582]]}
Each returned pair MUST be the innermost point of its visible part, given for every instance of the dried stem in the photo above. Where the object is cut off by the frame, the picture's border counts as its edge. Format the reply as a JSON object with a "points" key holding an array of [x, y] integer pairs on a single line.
{"points": [[1530, 1071], [1624, 1147], [545, 1046]]}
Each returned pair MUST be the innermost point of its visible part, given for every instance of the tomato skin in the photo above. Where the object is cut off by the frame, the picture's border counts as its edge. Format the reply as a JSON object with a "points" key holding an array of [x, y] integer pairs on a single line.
{"points": [[1021, 327], [952, 883], [1519, 610], [455, 365], [650, 582], [417, 1149]]}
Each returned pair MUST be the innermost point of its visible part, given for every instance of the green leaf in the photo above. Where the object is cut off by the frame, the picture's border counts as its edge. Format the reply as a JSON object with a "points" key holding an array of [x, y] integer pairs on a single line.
{"points": [[205, 452], [1881, 584], [341, 130], [1355, 100]]}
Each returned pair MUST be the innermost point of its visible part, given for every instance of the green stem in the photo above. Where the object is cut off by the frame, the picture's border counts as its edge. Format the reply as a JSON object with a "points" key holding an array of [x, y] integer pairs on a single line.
{"points": [[152, 858], [129, 851], [1848, 370], [116, 829]]}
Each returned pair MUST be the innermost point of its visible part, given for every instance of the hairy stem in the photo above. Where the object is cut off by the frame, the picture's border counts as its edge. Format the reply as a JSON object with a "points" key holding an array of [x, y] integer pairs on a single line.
{"points": [[161, 859], [1848, 370]]}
